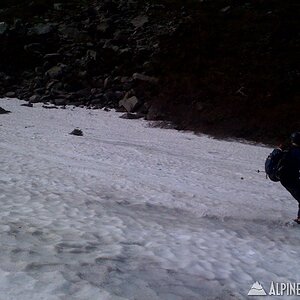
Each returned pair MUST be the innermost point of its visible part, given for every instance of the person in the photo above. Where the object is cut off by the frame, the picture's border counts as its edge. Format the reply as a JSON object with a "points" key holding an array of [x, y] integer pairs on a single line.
{"points": [[290, 170]]}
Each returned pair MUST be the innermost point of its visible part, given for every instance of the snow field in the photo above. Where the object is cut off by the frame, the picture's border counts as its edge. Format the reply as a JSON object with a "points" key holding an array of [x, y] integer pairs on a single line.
{"points": [[132, 212]]}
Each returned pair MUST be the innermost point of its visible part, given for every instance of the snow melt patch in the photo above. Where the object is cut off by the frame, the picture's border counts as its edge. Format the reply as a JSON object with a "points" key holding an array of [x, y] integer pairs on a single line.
{"points": [[132, 212]]}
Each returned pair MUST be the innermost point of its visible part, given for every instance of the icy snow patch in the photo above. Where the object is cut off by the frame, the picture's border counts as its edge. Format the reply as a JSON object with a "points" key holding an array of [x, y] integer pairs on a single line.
{"points": [[132, 212]]}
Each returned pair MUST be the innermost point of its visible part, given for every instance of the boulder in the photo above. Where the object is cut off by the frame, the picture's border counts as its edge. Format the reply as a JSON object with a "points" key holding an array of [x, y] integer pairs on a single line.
{"points": [[139, 21], [60, 101], [41, 29], [129, 104], [3, 27], [34, 99], [56, 72], [10, 94]]}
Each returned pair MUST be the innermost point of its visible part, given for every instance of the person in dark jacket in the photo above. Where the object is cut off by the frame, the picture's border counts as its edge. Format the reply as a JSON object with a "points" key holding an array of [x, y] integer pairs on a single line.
{"points": [[290, 172]]}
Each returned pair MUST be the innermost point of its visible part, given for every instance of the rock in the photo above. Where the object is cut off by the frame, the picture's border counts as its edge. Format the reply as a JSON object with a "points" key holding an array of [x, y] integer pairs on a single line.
{"points": [[131, 116], [34, 99], [77, 132], [111, 96], [91, 54], [52, 56], [154, 114], [142, 77], [225, 9], [38, 70], [3, 27], [39, 91], [27, 104], [199, 106], [56, 72], [108, 45], [73, 34], [139, 21], [96, 101], [58, 6], [10, 94], [33, 47], [4, 78], [45, 98], [41, 29], [103, 27], [129, 103], [60, 101], [50, 106], [107, 82], [3, 111], [75, 103]]}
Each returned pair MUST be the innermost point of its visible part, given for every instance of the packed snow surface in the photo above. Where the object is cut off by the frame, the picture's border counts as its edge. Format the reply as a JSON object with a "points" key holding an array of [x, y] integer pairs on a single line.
{"points": [[132, 212]]}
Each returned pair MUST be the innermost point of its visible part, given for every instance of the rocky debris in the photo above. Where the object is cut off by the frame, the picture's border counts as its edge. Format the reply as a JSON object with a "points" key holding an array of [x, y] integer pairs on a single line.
{"points": [[77, 132], [79, 54], [166, 59], [3, 111]]}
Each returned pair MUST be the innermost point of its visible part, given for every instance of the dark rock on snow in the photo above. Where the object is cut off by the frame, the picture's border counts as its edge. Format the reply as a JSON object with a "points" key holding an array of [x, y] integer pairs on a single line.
{"points": [[77, 132], [3, 111]]}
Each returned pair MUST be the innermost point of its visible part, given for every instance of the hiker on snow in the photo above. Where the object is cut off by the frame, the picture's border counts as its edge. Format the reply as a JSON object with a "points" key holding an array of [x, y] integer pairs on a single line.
{"points": [[283, 165]]}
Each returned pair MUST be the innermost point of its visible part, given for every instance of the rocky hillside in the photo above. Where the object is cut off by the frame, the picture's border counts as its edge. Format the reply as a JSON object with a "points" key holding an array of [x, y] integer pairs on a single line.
{"points": [[225, 67]]}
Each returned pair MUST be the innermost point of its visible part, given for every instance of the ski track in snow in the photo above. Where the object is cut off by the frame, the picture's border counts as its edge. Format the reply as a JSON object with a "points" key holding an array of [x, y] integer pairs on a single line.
{"points": [[133, 212]]}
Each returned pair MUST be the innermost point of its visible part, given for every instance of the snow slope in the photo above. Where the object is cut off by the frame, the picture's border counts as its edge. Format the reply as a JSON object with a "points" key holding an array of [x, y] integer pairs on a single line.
{"points": [[133, 212]]}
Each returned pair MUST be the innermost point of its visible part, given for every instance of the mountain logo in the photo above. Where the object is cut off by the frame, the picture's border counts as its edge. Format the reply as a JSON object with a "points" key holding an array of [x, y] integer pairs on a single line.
{"points": [[257, 290]]}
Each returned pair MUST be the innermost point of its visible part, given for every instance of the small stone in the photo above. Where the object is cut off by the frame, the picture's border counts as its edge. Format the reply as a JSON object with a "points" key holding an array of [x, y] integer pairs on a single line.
{"points": [[77, 132]]}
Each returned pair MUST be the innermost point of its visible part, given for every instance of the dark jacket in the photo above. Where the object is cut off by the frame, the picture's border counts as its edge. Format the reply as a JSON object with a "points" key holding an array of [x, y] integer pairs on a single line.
{"points": [[291, 166]]}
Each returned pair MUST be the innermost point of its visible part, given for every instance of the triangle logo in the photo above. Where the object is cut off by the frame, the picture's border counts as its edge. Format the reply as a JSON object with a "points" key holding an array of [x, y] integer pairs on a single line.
{"points": [[257, 290]]}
